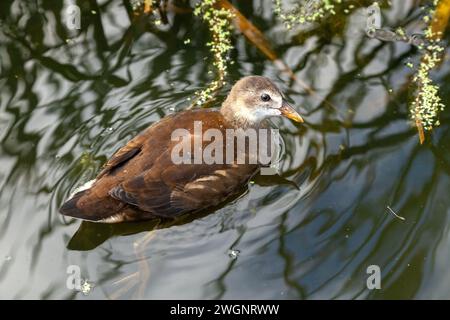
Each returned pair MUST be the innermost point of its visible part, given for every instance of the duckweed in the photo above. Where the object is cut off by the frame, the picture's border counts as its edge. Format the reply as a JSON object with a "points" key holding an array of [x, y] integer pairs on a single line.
{"points": [[219, 24], [306, 12], [427, 104]]}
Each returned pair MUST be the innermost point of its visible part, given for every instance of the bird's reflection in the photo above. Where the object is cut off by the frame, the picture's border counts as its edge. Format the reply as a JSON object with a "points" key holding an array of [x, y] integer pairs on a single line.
{"points": [[91, 234]]}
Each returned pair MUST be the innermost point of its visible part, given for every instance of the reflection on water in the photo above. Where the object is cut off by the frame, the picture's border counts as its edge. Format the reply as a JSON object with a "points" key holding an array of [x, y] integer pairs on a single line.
{"points": [[69, 100]]}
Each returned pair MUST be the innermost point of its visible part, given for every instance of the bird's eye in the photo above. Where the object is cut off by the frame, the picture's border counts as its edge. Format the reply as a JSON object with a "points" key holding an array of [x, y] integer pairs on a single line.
{"points": [[265, 97]]}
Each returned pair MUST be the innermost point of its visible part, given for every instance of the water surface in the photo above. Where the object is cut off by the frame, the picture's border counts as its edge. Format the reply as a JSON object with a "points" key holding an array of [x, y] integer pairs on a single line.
{"points": [[68, 100]]}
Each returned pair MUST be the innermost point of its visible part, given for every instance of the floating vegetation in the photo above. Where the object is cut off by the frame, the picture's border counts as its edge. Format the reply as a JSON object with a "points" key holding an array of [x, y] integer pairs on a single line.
{"points": [[86, 287], [427, 104], [305, 12], [219, 24]]}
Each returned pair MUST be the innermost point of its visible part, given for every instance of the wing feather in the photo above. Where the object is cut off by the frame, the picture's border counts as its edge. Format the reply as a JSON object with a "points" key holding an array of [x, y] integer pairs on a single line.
{"points": [[182, 188]]}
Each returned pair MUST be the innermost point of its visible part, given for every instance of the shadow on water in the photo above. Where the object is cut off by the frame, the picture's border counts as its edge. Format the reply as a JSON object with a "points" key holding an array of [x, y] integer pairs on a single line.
{"points": [[69, 99], [90, 234]]}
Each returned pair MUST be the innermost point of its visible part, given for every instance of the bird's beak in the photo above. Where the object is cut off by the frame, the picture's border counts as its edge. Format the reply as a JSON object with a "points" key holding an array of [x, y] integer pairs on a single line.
{"points": [[289, 112]]}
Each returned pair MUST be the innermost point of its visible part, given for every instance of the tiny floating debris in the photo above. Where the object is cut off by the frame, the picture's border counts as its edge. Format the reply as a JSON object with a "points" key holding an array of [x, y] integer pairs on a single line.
{"points": [[233, 253], [8, 258], [86, 287], [396, 215]]}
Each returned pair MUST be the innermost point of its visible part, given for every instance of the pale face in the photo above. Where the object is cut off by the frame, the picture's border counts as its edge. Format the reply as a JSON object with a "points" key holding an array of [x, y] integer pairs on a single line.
{"points": [[256, 106]]}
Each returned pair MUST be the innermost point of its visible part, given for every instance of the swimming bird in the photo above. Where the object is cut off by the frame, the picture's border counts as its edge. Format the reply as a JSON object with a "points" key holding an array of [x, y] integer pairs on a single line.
{"points": [[142, 181]]}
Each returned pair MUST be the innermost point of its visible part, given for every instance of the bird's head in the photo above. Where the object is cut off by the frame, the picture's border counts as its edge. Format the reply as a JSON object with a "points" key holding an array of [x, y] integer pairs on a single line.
{"points": [[254, 99]]}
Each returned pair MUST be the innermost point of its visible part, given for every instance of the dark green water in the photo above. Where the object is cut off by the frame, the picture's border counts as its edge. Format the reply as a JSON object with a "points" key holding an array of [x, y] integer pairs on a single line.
{"points": [[66, 106]]}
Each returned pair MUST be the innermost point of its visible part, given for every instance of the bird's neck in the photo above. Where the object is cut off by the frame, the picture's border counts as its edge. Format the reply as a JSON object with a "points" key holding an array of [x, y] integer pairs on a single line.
{"points": [[232, 111]]}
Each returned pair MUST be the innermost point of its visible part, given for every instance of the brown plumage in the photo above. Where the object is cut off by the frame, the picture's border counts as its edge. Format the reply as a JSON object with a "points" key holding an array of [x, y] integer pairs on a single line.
{"points": [[141, 181]]}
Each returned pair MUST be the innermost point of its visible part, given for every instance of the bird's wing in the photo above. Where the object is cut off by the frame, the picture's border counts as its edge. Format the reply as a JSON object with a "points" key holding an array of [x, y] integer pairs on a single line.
{"points": [[136, 145], [169, 189], [124, 154]]}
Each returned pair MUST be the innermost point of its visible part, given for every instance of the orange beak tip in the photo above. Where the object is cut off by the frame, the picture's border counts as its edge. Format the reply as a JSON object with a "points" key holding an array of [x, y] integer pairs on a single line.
{"points": [[290, 113]]}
